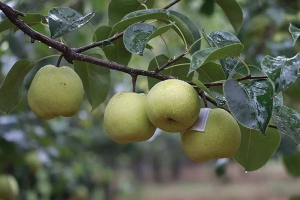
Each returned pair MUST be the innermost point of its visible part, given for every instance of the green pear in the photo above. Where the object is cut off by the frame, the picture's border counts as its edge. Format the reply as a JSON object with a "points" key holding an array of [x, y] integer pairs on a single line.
{"points": [[172, 105], [33, 162], [125, 118], [9, 188], [220, 139], [55, 91]]}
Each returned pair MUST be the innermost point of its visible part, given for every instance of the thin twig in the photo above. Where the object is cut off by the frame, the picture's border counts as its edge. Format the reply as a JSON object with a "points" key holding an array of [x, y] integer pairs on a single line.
{"points": [[170, 62]]}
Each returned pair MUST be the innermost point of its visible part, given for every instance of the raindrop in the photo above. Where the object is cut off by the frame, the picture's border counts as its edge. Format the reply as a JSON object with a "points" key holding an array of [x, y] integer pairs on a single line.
{"points": [[246, 172], [50, 47]]}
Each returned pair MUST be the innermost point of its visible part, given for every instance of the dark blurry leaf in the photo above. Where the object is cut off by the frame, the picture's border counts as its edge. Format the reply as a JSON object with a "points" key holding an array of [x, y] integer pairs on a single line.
{"points": [[114, 51], [251, 103], [136, 37], [212, 54], [140, 15], [30, 19], [295, 32], [63, 20], [281, 70], [183, 22], [292, 164], [207, 7], [287, 146], [11, 88], [96, 81], [220, 166], [294, 198], [287, 121], [117, 9], [233, 12], [177, 71], [255, 148]]}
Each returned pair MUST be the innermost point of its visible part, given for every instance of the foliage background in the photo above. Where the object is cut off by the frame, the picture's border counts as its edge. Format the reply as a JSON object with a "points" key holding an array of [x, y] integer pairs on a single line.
{"points": [[76, 153]]}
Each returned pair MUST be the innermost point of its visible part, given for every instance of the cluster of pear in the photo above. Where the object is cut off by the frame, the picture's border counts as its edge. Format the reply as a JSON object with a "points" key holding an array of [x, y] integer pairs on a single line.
{"points": [[9, 188], [172, 106], [55, 91]]}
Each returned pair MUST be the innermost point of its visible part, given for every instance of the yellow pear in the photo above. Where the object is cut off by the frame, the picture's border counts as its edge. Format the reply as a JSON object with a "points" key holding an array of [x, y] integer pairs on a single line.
{"points": [[9, 188], [125, 118], [172, 105], [33, 162], [220, 139], [55, 91]]}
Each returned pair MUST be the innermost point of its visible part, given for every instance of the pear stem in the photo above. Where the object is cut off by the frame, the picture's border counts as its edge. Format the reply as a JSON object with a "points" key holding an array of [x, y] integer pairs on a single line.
{"points": [[59, 60], [133, 78]]}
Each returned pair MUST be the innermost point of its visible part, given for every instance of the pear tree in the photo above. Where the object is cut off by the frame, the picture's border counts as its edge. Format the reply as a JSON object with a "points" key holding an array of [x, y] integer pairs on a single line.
{"points": [[246, 101]]}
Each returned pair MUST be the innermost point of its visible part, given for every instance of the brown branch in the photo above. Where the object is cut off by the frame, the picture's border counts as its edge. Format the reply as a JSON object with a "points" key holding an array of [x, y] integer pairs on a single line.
{"points": [[170, 62], [238, 79]]}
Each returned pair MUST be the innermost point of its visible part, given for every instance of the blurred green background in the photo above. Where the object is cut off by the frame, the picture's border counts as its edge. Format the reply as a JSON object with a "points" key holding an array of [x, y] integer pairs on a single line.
{"points": [[79, 161]]}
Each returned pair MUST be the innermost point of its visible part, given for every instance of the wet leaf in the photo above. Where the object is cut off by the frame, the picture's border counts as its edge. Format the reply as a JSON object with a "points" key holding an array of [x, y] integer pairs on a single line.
{"points": [[256, 149], [233, 12], [278, 102], [160, 31], [63, 20], [251, 103], [96, 81], [179, 71], [295, 32], [281, 70], [136, 37], [11, 88], [287, 121], [140, 15], [212, 54], [202, 87]]}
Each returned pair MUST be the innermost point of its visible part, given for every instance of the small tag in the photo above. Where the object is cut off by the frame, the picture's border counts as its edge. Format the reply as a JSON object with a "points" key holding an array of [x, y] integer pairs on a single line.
{"points": [[200, 124]]}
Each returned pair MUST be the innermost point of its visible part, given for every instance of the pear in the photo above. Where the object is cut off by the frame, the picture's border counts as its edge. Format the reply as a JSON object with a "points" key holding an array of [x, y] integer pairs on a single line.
{"points": [[172, 105], [125, 118], [9, 188], [220, 139], [55, 91], [33, 162]]}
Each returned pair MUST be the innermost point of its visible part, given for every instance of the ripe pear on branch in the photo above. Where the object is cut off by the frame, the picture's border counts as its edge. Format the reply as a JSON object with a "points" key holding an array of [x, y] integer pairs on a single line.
{"points": [[221, 137], [55, 91]]}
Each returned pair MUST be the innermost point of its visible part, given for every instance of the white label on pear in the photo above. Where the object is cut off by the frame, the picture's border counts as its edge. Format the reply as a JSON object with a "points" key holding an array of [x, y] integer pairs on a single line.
{"points": [[200, 124]]}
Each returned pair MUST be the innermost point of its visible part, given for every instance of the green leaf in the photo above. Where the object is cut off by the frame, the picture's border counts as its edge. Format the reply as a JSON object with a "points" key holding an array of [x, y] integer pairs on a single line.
{"points": [[187, 27], [140, 15], [242, 70], [96, 81], [287, 121], [114, 51], [212, 54], [136, 37], [278, 102], [295, 32], [117, 9], [63, 20], [30, 19], [178, 71], [202, 87], [256, 149], [281, 70], [11, 88], [251, 103], [233, 12], [161, 31], [222, 39], [292, 164]]}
